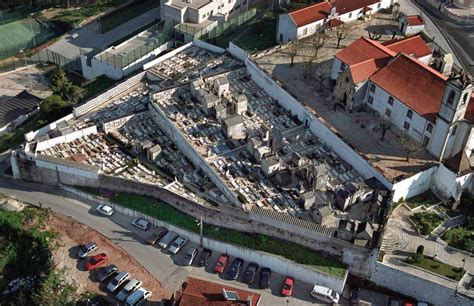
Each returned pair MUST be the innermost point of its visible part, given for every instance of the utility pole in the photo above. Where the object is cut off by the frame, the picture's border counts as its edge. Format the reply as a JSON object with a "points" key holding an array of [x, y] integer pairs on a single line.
{"points": [[32, 33], [25, 59], [201, 224]]}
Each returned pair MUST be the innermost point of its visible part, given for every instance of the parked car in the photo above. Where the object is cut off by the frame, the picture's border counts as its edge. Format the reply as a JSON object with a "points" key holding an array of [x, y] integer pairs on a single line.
{"points": [[235, 268], [394, 302], [128, 289], [288, 284], [86, 249], [408, 303], [156, 234], [105, 210], [325, 294], [203, 260], [221, 263], [265, 275], [139, 297], [177, 244], [118, 280], [141, 224], [96, 261], [167, 239], [189, 256], [250, 273], [107, 272]]}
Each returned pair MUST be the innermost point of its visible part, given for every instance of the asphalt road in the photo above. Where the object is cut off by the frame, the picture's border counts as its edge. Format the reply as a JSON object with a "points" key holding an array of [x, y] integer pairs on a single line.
{"points": [[158, 262]]}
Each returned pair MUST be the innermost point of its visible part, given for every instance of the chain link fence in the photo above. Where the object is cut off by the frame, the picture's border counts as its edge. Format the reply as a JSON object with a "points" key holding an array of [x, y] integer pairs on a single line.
{"points": [[145, 42]]}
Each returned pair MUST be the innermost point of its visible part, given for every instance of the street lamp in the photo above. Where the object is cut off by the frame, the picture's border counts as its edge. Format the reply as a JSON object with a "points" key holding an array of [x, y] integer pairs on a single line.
{"points": [[200, 224], [25, 59]]}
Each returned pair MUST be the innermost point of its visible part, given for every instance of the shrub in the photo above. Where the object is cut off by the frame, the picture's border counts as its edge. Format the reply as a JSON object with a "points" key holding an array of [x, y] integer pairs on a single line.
{"points": [[418, 257], [420, 249]]}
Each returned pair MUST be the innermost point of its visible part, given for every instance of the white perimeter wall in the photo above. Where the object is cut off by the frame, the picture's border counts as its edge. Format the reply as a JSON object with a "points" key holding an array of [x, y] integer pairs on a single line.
{"points": [[43, 145], [45, 129], [414, 185]]}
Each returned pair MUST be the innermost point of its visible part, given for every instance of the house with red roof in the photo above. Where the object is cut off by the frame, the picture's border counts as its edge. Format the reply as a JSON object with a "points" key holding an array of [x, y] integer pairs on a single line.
{"points": [[411, 25], [353, 65], [327, 14]]}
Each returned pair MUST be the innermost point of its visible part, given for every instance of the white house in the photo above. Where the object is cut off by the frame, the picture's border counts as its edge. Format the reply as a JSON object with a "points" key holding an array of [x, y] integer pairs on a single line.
{"points": [[411, 25], [308, 20]]}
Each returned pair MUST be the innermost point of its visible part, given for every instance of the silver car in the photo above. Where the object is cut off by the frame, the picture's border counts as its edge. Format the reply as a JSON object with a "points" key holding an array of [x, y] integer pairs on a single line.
{"points": [[177, 244], [128, 289], [118, 280], [189, 256], [86, 249]]}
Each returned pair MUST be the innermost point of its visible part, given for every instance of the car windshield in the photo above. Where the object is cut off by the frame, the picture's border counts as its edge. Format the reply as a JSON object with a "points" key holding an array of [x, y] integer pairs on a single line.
{"points": [[94, 261], [286, 286], [115, 282], [84, 248], [333, 294], [219, 263]]}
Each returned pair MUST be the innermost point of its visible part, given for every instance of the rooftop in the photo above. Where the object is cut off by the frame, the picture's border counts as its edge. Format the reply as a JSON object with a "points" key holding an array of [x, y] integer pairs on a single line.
{"points": [[196, 291], [194, 4], [346, 6], [414, 46], [21, 104], [415, 20], [311, 13]]}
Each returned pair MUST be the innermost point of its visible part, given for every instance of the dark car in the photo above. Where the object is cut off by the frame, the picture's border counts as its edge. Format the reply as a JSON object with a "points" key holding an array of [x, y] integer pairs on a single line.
{"points": [[235, 268], [106, 272], [203, 260], [354, 295], [265, 275], [250, 273]]}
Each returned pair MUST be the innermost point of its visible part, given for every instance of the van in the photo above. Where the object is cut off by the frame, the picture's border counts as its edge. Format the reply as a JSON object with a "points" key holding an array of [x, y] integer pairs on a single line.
{"points": [[167, 239], [139, 297], [325, 294], [129, 288]]}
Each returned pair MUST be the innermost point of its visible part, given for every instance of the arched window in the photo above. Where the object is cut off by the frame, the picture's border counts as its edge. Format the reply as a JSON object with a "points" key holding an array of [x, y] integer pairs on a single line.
{"points": [[464, 99]]}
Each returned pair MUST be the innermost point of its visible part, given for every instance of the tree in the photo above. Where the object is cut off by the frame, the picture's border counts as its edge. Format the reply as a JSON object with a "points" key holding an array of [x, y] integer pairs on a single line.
{"points": [[318, 43], [374, 35], [307, 67], [54, 107], [385, 124], [394, 30], [75, 94], [61, 84], [293, 52], [341, 34], [319, 77], [420, 249], [408, 145]]}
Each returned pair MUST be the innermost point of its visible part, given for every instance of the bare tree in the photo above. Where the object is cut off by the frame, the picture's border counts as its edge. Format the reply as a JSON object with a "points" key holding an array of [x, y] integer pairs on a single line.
{"points": [[307, 67], [385, 124], [374, 35], [293, 53], [318, 43], [319, 77], [394, 30], [408, 145], [341, 34]]}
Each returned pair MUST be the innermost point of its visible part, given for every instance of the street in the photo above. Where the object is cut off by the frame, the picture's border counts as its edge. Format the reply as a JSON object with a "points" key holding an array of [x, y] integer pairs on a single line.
{"points": [[158, 262]]}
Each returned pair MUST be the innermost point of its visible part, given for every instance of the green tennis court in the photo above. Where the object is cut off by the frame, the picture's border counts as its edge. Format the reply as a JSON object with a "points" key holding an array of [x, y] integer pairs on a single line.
{"points": [[22, 34]]}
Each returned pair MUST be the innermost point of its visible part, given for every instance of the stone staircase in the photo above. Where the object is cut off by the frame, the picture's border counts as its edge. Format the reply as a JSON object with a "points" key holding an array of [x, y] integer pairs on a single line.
{"points": [[394, 240]]}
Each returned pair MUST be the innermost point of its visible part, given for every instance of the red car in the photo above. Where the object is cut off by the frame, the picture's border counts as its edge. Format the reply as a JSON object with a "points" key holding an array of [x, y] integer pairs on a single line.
{"points": [[96, 261], [221, 263], [287, 288]]}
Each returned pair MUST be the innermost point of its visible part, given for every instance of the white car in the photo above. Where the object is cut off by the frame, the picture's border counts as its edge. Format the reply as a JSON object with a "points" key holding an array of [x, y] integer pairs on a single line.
{"points": [[325, 294], [139, 297], [177, 244], [128, 289], [118, 280], [141, 224], [105, 210], [86, 249]]}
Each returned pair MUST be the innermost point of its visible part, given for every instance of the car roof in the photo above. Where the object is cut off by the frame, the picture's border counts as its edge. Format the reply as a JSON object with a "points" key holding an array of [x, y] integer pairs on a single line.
{"points": [[322, 289], [121, 274], [90, 244], [132, 283]]}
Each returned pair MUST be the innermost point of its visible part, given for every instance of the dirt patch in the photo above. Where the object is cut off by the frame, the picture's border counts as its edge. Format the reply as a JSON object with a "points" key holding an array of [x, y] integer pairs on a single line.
{"points": [[71, 234]]}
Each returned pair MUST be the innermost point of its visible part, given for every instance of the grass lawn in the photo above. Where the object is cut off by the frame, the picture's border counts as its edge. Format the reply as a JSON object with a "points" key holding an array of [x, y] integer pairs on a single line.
{"points": [[258, 34], [426, 222], [74, 16], [426, 198], [97, 86], [124, 14], [437, 267], [167, 213]]}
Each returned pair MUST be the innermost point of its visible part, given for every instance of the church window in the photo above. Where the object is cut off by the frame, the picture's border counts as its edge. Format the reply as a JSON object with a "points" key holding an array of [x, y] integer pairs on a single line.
{"points": [[464, 99], [372, 88], [429, 127], [451, 97], [388, 112], [406, 126], [409, 113], [453, 132], [370, 100], [390, 100], [426, 140]]}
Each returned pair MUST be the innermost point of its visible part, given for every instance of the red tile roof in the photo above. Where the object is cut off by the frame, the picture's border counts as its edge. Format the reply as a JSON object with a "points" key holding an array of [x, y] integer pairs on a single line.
{"points": [[413, 46], [364, 49], [200, 292], [362, 71], [346, 6], [415, 20], [311, 13], [335, 23], [415, 84], [469, 115]]}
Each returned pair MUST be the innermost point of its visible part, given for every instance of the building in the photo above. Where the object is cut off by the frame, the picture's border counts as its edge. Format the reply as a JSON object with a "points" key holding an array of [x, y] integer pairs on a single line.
{"points": [[153, 152], [233, 126], [411, 25], [270, 165], [18, 109], [321, 213], [311, 19], [196, 291], [353, 66], [352, 193]]}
